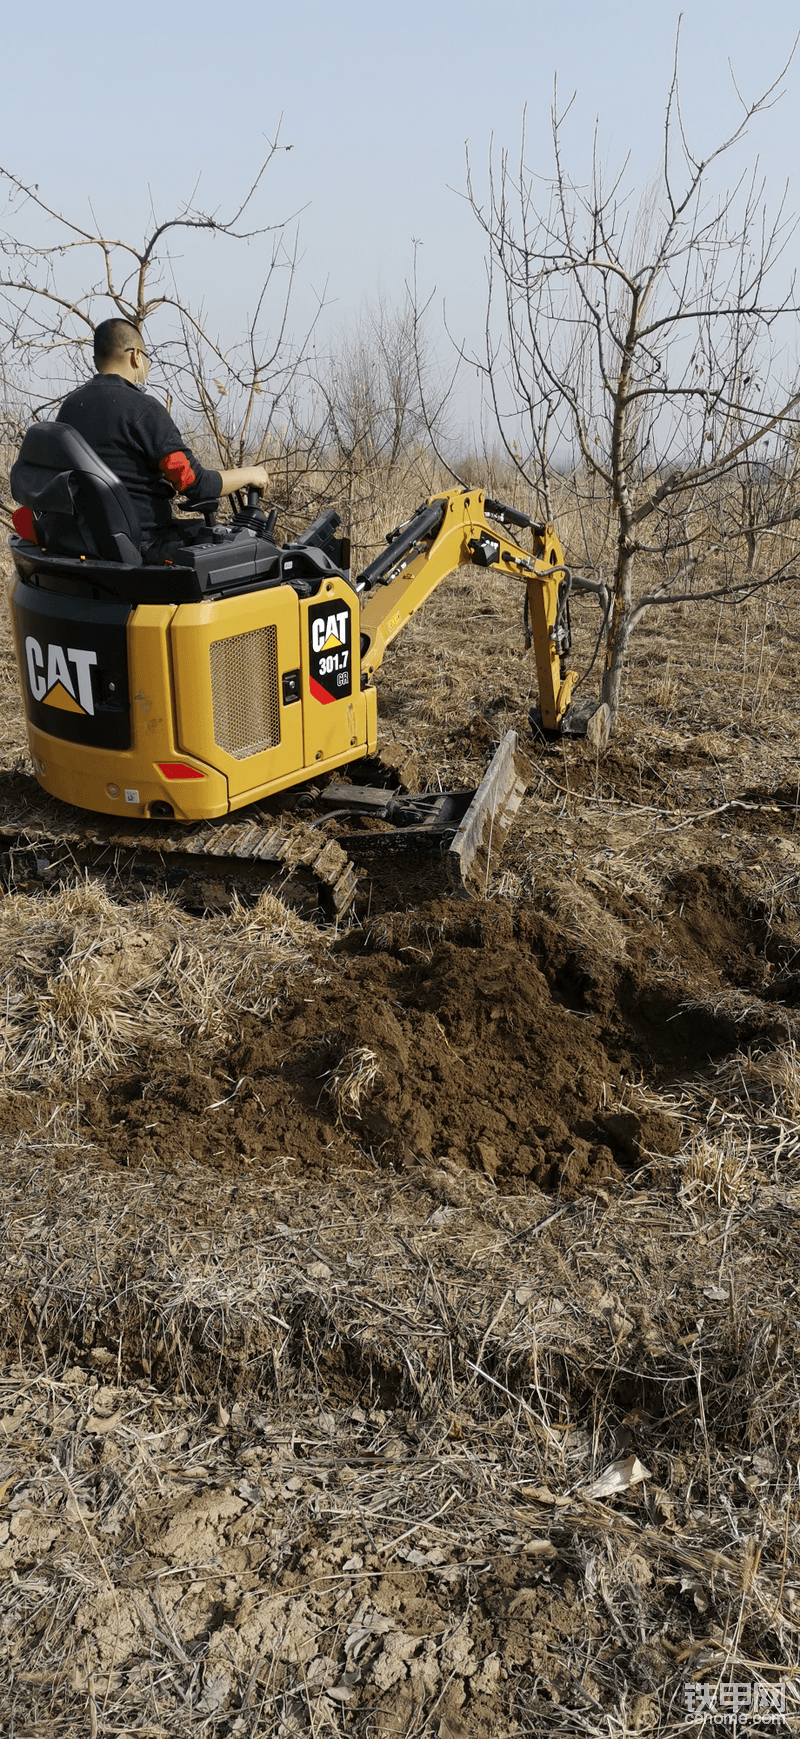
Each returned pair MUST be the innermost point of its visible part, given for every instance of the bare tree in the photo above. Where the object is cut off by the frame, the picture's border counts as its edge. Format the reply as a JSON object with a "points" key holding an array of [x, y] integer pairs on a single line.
{"points": [[765, 499], [59, 278], [376, 424], [645, 352]]}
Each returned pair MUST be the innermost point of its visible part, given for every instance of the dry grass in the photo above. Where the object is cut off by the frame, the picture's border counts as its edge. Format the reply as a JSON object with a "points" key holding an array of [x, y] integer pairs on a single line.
{"points": [[89, 979], [722, 1167], [353, 1077], [286, 1457], [748, 1106], [334, 1430]]}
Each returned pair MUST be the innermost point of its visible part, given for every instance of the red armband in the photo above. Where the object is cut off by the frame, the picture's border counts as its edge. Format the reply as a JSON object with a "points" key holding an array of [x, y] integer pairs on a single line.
{"points": [[177, 470], [22, 521]]}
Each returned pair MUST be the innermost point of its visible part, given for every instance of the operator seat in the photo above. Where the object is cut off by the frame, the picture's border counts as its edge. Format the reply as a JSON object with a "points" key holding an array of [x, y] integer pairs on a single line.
{"points": [[79, 506], [83, 537]]}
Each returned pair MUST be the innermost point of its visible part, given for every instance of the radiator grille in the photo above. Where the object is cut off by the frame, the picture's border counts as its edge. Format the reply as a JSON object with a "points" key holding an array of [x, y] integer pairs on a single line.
{"points": [[245, 692]]}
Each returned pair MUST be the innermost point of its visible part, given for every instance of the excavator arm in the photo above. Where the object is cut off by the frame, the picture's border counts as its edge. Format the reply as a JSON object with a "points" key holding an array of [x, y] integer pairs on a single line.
{"points": [[454, 529]]}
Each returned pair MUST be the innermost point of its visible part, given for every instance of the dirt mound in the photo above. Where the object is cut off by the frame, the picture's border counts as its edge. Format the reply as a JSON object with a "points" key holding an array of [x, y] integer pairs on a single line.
{"points": [[475, 1036], [449, 1039], [468, 1035]]}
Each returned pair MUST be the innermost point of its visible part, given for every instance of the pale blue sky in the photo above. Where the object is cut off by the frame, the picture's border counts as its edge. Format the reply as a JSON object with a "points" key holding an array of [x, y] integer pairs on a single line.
{"points": [[377, 105]]}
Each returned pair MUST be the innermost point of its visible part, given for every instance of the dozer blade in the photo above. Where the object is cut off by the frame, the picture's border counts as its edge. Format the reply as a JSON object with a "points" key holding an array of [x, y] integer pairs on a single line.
{"points": [[32, 821], [494, 805]]}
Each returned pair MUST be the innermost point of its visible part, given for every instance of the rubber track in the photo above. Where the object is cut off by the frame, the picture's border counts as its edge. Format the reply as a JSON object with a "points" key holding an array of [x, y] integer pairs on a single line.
{"points": [[28, 817]]}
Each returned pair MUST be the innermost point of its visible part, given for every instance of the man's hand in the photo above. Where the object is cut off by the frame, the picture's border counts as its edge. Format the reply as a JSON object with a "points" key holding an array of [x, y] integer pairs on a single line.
{"points": [[247, 477], [254, 477]]}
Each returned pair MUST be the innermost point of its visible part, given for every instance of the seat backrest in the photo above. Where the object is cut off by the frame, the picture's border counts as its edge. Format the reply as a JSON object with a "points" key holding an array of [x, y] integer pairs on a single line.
{"points": [[79, 506]]}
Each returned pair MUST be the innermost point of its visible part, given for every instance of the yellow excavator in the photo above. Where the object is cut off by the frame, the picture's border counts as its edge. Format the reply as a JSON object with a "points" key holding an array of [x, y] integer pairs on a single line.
{"points": [[172, 698]]}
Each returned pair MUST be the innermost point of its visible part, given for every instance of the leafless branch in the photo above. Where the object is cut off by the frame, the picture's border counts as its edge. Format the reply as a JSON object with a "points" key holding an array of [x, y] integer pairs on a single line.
{"points": [[647, 350]]}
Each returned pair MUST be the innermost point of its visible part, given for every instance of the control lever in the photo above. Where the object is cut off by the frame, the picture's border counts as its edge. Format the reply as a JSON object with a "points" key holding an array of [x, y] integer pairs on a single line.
{"points": [[252, 516], [208, 509]]}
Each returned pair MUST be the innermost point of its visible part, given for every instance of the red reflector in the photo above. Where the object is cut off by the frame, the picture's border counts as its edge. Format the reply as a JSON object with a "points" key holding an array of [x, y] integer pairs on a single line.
{"points": [[178, 770]]}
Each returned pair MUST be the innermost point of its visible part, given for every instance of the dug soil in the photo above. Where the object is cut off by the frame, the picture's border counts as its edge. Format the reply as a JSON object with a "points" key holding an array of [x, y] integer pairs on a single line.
{"points": [[625, 933], [493, 1047]]}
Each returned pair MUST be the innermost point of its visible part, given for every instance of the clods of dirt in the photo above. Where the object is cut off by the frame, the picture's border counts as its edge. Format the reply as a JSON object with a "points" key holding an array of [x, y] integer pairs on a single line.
{"points": [[454, 1040], [482, 1038]]}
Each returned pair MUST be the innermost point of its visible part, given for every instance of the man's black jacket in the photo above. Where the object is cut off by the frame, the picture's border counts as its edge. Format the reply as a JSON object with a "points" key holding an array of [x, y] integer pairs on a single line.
{"points": [[138, 440]]}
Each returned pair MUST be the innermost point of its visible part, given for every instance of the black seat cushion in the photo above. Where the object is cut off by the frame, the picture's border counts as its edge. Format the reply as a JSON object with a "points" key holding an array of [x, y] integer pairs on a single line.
{"points": [[79, 506]]}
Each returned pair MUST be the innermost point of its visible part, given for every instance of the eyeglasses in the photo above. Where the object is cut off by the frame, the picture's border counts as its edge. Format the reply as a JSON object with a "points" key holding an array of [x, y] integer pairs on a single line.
{"points": [[132, 349]]}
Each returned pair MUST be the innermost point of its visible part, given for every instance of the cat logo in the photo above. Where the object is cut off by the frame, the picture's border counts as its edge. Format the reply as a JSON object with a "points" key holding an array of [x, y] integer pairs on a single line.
{"points": [[329, 674], [329, 633], [55, 682]]}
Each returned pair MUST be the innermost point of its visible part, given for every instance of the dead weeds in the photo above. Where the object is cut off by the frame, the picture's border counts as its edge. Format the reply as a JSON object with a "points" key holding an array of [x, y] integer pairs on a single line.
{"points": [[90, 980], [413, 1348], [269, 1465]]}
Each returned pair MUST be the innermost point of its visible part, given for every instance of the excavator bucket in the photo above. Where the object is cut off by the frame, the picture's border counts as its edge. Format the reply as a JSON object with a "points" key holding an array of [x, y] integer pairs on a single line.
{"points": [[482, 829]]}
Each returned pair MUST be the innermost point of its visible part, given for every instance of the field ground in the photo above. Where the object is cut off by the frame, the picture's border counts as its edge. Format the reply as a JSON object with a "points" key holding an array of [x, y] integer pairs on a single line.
{"points": [[401, 1318]]}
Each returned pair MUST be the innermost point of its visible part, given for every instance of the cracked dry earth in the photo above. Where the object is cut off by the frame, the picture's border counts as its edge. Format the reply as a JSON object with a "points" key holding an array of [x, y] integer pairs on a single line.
{"points": [[401, 1319]]}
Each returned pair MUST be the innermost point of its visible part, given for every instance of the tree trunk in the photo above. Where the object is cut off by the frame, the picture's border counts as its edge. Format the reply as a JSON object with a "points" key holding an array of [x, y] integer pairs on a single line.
{"points": [[619, 633], [749, 517]]}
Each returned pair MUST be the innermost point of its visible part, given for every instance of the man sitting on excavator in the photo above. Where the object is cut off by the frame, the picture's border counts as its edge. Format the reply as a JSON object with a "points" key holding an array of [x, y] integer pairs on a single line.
{"points": [[135, 436]]}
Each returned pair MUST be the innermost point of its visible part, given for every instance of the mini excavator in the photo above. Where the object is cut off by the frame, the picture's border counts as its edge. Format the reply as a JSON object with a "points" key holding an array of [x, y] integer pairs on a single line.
{"points": [[169, 698]]}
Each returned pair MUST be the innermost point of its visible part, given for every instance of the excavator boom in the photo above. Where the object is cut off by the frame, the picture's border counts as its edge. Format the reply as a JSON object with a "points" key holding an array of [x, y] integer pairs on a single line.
{"points": [[449, 531]]}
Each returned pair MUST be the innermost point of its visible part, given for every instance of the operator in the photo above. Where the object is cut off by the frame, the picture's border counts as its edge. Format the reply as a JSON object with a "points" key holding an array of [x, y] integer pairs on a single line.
{"points": [[135, 436]]}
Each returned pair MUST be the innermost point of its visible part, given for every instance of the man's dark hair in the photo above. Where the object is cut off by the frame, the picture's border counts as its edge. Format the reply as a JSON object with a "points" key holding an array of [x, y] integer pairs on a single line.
{"points": [[114, 337]]}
